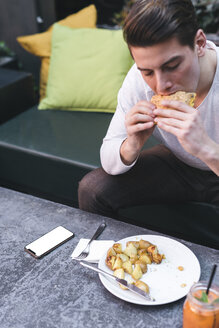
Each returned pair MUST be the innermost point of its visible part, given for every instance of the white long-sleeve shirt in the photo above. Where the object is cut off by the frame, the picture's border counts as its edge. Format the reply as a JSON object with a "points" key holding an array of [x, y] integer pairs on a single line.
{"points": [[135, 89]]}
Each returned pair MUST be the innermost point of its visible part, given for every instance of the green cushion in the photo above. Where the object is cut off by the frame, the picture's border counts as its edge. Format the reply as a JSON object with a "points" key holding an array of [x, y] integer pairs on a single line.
{"points": [[87, 69]]}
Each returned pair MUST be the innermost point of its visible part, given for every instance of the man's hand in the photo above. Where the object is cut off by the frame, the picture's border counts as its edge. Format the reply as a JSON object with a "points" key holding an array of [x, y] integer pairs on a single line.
{"points": [[139, 124], [186, 124]]}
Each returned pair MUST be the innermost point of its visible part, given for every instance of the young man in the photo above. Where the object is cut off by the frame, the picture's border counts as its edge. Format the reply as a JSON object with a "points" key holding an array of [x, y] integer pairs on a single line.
{"points": [[171, 54]]}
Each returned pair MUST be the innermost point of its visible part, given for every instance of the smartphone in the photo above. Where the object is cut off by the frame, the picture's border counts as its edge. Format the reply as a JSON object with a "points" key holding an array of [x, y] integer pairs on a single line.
{"points": [[48, 242]]}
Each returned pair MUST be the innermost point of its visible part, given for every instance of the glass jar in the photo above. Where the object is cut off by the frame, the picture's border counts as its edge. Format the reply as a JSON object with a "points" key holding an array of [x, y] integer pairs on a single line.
{"points": [[199, 314]]}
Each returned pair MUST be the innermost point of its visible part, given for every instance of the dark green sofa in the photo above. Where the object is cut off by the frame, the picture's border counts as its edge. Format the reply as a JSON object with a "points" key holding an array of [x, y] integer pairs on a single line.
{"points": [[46, 153]]}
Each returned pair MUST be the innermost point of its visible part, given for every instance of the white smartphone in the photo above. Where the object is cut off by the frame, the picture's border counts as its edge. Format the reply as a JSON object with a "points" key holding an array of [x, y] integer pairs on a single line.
{"points": [[48, 242]]}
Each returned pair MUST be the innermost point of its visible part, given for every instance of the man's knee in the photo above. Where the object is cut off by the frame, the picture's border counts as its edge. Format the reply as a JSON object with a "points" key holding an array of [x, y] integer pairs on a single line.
{"points": [[85, 190], [94, 193], [89, 190]]}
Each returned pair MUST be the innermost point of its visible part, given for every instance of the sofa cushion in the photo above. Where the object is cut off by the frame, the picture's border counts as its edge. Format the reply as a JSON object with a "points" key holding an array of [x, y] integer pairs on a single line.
{"points": [[87, 69], [40, 44]]}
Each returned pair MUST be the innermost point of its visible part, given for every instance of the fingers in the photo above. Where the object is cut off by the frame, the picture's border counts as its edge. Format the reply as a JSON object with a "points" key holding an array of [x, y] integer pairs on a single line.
{"points": [[135, 128], [168, 128], [177, 110], [138, 122], [180, 127], [146, 104], [178, 105], [140, 115], [169, 122], [143, 107], [139, 118], [170, 113], [145, 114]]}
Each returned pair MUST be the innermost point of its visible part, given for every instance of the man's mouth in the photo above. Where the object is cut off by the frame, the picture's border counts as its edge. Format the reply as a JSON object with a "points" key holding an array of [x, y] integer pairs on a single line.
{"points": [[169, 93]]}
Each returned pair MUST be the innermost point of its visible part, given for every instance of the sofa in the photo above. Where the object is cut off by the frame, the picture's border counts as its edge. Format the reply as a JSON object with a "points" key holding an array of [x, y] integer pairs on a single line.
{"points": [[46, 152]]}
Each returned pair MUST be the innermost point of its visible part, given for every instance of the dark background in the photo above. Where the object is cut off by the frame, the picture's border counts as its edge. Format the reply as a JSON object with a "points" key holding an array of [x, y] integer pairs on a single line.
{"points": [[105, 8], [25, 17]]}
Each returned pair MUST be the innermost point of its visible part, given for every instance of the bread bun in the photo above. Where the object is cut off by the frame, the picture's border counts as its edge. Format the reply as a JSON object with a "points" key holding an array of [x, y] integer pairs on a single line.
{"points": [[186, 97]]}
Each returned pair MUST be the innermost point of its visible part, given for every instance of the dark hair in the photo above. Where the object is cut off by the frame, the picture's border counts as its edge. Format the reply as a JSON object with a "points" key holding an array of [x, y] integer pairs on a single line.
{"points": [[153, 21]]}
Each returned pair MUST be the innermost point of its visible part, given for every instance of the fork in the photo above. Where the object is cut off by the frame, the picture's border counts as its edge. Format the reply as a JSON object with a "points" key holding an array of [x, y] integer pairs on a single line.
{"points": [[85, 252]]}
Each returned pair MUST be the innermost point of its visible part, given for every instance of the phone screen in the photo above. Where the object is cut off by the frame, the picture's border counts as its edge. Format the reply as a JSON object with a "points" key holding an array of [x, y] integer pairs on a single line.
{"points": [[49, 241]]}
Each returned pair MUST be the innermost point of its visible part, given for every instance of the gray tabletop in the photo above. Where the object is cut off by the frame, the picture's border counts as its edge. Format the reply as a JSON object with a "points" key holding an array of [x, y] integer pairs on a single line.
{"points": [[57, 292]]}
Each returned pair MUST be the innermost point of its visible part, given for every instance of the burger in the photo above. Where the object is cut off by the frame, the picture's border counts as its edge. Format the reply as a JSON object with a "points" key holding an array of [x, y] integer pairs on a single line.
{"points": [[186, 97]]}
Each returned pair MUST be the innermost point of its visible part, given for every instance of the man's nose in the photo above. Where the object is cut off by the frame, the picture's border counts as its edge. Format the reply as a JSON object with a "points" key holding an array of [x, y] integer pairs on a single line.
{"points": [[163, 84]]}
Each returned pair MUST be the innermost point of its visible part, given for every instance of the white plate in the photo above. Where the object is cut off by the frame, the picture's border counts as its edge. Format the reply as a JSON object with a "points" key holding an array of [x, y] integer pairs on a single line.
{"points": [[167, 283]]}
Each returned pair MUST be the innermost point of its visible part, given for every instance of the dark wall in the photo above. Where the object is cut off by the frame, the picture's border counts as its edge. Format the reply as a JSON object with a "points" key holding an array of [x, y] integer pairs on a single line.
{"points": [[25, 17], [105, 8], [21, 18]]}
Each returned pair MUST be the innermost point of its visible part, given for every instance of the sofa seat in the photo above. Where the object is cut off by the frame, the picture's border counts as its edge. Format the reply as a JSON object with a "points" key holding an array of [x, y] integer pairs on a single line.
{"points": [[47, 152]]}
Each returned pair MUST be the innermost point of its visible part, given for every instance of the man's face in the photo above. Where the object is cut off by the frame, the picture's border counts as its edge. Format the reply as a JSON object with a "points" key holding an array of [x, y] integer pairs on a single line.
{"points": [[168, 67]]}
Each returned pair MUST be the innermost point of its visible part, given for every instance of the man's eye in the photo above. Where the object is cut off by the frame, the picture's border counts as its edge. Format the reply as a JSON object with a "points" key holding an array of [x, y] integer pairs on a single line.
{"points": [[171, 68], [148, 73]]}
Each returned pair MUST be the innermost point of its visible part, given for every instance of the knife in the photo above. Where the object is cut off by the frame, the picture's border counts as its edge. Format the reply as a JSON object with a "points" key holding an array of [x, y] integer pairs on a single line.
{"points": [[123, 282]]}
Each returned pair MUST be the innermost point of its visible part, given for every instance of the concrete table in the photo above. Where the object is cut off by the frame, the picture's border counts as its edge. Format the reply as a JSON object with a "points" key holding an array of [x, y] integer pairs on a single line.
{"points": [[57, 292]]}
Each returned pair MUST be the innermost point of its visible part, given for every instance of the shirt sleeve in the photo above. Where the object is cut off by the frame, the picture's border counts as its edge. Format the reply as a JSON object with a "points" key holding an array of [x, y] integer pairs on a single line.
{"points": [[110, 149], [116, 134]]}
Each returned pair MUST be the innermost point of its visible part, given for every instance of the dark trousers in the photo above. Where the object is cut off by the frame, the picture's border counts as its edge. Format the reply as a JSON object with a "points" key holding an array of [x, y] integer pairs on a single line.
{"points": [[157, 177]]}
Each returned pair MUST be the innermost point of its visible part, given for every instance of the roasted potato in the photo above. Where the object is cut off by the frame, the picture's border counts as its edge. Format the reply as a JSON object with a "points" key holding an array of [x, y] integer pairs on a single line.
{"points": [[118, 263], [119, 273], [141, 251], [152, 249], [133, 258], [110, 260], [135, 243], [127, 266], [145, 257], [130, 250], [144, 244], [124, 257], [137, 272], [142, 285], [156, 257], [117, 247], [111, 252], [143, 266]]}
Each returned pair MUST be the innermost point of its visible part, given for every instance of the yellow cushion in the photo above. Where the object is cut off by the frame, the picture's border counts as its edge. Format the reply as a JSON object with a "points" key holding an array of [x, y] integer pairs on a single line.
{"points": [[40, 44]]}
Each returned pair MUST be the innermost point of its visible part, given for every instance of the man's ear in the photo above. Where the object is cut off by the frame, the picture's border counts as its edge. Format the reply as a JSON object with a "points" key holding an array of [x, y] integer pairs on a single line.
{"points": [[200, 42]]}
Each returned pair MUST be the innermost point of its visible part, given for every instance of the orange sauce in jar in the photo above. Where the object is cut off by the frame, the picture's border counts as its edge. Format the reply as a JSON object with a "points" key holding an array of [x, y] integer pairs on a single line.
{"points": [[199, 314]]}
